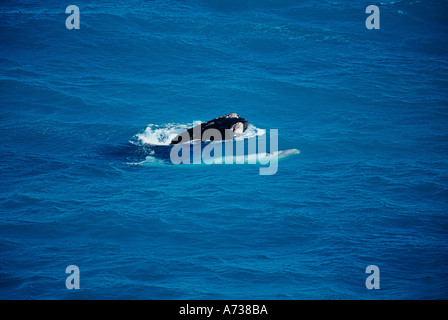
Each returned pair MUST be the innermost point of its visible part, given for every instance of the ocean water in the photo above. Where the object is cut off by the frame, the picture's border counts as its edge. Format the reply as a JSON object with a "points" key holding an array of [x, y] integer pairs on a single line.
{"points": [[86, 116]]}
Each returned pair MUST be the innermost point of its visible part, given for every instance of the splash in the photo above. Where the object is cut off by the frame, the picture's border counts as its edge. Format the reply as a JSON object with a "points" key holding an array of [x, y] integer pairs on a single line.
{"points": [[251, 146], [161, 135]]}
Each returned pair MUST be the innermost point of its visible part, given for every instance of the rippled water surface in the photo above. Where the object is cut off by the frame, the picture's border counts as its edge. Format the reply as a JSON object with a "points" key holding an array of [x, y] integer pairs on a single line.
{"points": [[83, 114]]}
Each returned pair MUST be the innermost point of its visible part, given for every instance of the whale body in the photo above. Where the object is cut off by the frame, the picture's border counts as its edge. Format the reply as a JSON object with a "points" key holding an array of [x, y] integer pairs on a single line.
{"points": [[230, 124]]}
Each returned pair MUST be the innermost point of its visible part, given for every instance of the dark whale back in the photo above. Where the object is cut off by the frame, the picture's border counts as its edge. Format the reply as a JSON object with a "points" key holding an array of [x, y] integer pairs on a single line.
{"points": [[231, 121]]}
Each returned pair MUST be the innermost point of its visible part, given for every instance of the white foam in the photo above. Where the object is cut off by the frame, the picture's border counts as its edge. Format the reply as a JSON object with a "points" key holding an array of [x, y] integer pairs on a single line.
{"points": [[161, 135], [251, 132], [151, 161]]}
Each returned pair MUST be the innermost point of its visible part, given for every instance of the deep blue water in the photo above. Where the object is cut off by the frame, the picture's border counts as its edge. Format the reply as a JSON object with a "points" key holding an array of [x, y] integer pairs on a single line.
{"points": [[367, 109]]}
